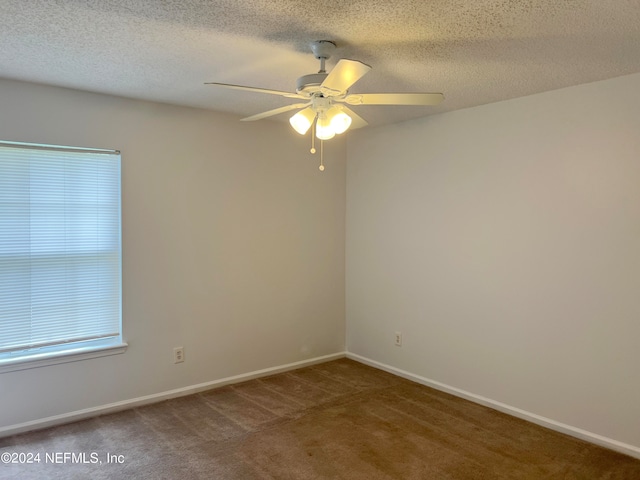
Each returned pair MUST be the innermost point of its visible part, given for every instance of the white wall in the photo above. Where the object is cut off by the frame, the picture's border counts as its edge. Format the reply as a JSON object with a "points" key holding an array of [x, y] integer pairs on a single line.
{"points": [[233, 246], [504, 242]]}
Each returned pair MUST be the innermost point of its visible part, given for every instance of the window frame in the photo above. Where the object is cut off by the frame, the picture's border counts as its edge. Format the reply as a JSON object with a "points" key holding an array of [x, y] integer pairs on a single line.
{"points": [[71, 351]]}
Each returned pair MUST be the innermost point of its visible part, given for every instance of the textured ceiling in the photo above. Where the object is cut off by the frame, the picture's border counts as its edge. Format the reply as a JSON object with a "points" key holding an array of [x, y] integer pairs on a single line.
{"points": [[473, 51]]}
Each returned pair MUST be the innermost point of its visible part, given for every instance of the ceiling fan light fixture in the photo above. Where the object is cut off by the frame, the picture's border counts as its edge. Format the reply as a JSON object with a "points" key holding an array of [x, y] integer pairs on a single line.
{"points": [[324, 130], [339, 121], [302, 121]]}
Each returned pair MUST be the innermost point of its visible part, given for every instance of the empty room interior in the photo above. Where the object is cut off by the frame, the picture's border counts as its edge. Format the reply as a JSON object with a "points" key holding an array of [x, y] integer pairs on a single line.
{"points": [[446, 288]]}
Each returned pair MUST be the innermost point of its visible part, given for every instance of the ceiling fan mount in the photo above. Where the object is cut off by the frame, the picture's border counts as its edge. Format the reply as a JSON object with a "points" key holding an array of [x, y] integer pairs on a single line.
{"points": [[323, 49]]}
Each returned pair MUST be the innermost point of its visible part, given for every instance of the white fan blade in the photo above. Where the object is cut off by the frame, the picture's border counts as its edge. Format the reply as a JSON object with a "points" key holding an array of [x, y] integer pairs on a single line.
{"points": [[394, 99], [257, 90], [275, 111], [356, 120], [343, 75]]}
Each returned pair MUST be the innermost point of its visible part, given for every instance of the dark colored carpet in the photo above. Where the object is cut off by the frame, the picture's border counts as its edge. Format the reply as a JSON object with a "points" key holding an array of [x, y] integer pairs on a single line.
{"points": [[338, 420]]}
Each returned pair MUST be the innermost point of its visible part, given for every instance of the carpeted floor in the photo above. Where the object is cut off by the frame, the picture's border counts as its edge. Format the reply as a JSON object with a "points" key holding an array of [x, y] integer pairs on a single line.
{"points": [[338, 420]]}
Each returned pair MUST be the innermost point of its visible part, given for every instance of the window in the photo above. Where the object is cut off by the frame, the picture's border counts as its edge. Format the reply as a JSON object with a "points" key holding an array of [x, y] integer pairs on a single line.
{"points": [[60, 254]]}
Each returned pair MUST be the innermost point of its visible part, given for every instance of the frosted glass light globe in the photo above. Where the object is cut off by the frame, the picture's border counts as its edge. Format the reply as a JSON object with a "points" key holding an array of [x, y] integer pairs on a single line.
{"points": [[324, 130], [340, 122]]}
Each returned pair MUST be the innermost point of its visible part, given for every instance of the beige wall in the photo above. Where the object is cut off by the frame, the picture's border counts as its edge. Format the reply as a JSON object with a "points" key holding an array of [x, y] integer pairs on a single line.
{"points": [[233, 246], [504, 242], [501, 240]]}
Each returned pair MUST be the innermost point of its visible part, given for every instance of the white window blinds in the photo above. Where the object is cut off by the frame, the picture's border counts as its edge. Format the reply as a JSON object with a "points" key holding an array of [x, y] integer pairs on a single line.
{"points": [[60, 248]]}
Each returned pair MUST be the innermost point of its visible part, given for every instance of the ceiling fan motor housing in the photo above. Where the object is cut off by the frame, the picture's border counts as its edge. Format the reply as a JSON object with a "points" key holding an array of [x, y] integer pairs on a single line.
{"points": [[309, 84]]}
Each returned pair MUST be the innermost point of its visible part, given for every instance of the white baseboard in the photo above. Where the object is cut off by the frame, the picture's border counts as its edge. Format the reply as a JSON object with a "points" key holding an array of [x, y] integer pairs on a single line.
{"points": [[590, 437], [158, 397]]}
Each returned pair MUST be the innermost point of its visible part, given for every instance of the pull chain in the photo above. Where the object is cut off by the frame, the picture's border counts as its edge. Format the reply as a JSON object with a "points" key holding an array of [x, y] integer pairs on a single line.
{"points": [[313, 146]]}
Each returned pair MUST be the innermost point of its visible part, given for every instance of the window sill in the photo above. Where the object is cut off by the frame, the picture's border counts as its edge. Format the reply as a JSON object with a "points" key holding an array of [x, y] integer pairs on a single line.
{"points": [[55, 358]]}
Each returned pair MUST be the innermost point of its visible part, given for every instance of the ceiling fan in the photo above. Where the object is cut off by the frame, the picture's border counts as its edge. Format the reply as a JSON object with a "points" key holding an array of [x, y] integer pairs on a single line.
{"points": [[326, 97]]}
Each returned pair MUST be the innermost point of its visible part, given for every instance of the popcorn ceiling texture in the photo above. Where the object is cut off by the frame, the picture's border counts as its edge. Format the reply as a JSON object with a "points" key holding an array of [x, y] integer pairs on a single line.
{"points": [[475, 52]]}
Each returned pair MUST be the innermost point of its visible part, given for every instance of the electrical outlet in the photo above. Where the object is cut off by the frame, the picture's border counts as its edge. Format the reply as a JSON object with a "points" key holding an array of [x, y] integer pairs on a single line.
{"points": [[398, 339], [178, 355]]}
